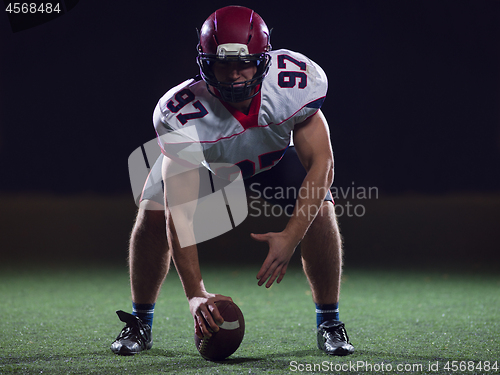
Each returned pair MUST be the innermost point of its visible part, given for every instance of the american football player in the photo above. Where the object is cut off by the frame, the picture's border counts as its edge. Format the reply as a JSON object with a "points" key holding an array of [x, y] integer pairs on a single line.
{"points": [[259, 110]]}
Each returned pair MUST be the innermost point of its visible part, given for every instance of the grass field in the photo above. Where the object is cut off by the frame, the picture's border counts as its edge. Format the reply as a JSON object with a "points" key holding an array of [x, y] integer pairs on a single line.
{"points": [[57, 321]]}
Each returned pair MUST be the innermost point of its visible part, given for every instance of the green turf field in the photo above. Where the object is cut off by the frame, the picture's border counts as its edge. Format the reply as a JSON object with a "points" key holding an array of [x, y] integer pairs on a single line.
{"points": [[62, 322]]}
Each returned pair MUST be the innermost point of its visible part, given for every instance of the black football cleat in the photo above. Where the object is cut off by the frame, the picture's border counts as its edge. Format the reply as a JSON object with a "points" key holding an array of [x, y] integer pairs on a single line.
{"points": [[333, 340], [134, 337]]}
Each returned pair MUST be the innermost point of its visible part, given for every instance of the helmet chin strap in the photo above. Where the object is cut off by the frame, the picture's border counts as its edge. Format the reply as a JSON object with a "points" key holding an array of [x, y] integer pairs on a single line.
{"points": [[231, 93]]}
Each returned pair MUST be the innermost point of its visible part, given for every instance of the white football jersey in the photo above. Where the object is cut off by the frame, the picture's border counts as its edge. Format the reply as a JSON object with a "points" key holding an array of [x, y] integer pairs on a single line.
{"points": [[197, 127]]}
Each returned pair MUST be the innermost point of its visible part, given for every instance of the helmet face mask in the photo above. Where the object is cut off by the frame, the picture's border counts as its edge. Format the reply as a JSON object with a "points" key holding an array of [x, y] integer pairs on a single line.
{"points": [[234, 34], [234, 92]]}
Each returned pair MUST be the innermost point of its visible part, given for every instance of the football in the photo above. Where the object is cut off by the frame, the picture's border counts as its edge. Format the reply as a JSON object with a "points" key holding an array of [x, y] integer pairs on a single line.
{"points": [[225, 342]]}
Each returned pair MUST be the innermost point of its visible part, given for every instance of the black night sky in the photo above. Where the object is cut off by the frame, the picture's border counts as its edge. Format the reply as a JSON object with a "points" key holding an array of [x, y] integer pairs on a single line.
{"points": [[413, 101]]}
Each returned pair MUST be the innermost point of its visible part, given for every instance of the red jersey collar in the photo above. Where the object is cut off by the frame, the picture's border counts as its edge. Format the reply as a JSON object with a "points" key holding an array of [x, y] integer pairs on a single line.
{"points": [[250, 120]]}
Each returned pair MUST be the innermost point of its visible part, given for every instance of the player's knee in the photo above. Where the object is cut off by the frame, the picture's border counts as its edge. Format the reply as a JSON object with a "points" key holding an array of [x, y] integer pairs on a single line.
{"points": [[150, 205], [326, 209], [325, 215], [150, 220]]}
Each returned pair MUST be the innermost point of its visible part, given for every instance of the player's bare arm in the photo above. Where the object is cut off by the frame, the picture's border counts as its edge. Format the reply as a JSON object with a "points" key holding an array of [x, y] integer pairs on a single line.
{"points": [[201, 303], [181, 186], [312, 142]]}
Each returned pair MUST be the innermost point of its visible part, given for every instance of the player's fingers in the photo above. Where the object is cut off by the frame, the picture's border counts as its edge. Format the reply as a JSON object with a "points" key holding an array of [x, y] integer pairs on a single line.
{"points": [[268, 272], [212, 326], [264, 269], [261, 276], [197, 329], [273, 277], [214, 311], [282, 274], [266, 266], [264, 273], [202, 325], [201, 315], [259, 237]]}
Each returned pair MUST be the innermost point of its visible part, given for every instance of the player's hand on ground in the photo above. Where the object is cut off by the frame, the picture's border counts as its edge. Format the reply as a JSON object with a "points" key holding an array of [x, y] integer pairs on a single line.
{"points": [[205, 313], [281, 249]]}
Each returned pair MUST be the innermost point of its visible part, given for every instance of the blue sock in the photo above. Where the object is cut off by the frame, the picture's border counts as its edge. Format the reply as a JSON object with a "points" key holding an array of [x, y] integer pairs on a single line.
{"points": [[326, 312], [144, 311]]}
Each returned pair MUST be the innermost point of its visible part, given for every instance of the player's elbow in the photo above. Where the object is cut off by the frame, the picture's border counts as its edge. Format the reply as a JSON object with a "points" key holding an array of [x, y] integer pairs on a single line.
{"points": [[324, 167], [330, 174], [328, 168]]}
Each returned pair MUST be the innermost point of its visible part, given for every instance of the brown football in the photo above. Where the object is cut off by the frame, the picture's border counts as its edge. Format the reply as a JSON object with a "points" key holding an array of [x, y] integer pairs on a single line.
{"points": [[225, 342]]}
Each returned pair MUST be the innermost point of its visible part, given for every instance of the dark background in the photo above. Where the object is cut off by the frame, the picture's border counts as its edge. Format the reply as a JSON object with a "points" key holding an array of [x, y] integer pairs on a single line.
{"points": [[413, 106]]}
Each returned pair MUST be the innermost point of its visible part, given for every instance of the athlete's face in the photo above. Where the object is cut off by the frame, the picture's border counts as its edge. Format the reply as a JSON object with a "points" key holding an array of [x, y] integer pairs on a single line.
{"points": [[234, 71]]}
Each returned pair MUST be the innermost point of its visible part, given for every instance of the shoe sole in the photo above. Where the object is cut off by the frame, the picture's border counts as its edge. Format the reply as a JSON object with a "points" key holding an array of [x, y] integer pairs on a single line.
{"points": [[125, 352]]}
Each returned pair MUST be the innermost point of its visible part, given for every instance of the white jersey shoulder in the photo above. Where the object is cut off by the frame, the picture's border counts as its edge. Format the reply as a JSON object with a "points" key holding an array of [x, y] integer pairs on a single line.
{"points": [[294, 83], [194, 125]]}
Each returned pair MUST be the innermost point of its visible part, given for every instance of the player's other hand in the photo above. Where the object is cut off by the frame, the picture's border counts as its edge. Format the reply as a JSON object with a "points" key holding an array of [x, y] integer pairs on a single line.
{"points": [[205, 313], [281, 249]]}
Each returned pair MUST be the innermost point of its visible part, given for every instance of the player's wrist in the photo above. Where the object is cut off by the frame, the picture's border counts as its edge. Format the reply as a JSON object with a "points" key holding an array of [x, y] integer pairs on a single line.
{"points": [[196, 290], [294, 231]]}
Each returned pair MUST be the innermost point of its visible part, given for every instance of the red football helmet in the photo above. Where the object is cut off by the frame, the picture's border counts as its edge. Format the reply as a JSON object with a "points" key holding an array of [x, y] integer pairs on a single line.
{"points": [[234, 33]]}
